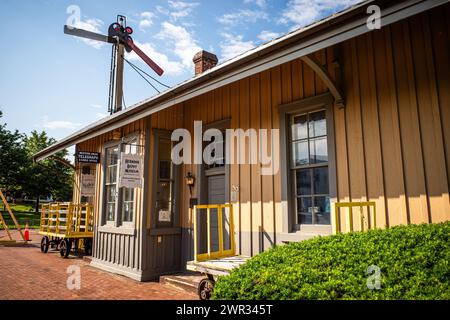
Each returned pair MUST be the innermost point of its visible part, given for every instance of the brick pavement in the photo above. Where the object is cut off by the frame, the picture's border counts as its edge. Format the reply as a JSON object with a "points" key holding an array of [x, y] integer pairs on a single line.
{"points": [[26, 273]]}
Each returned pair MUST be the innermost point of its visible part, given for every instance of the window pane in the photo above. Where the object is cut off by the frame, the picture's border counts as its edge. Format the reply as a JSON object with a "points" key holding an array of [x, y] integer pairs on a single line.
{"points": [[112, 155], [303, 182], [318, 150], [164, 169], [110, 193], [127, 209], [304, 208], [299, 128], [165, 147], [128, 194], [322, 210], [300, 154], [110, 211], [317, 124], [111, 174], [321, 180]]}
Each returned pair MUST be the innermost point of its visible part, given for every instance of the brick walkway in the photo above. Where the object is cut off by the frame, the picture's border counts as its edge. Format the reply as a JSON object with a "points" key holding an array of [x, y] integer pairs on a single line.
{"points": [[26, 273]]}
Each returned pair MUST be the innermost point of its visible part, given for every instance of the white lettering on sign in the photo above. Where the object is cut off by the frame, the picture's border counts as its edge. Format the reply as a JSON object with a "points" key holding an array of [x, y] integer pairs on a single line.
{"points": [[130, 175], [87, 185]]}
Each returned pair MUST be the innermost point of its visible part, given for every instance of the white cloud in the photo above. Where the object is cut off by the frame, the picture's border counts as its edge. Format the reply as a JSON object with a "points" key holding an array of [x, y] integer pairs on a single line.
{"points": [[243, 16], [146, 20], [181, 9], [92, 25], [184, 46], [268, 35], [304, 12], [259, 3], [234, 45], [169, 67], [59, 124]]}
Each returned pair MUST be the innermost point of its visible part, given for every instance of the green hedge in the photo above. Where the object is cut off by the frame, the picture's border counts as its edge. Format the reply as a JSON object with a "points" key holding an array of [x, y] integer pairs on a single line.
{"points": [[414, 262]]}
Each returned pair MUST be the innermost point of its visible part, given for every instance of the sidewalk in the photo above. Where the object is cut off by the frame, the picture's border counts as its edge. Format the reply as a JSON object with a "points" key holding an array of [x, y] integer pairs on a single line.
{"points": [[29, 274]]}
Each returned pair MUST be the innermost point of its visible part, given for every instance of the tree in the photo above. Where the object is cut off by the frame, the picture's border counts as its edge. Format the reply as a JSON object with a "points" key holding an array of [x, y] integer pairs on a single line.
{"points": [[47, 177], [12, 158]]}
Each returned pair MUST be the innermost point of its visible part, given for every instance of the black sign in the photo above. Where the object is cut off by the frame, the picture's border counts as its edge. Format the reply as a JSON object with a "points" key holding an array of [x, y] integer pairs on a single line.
{"points": [[88, 157]]}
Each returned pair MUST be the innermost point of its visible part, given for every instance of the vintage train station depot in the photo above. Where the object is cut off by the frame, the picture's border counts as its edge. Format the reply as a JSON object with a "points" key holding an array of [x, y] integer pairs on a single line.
{"points": [[361, 118]]}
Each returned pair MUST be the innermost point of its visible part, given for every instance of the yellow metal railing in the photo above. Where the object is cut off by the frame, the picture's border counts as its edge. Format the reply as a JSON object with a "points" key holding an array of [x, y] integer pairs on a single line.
{"points": [[67, 220], [221, 252], [371, 223]]}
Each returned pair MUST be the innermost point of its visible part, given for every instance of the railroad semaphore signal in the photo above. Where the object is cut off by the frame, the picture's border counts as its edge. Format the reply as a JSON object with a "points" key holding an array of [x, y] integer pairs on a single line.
{"points": [[119, 35]]}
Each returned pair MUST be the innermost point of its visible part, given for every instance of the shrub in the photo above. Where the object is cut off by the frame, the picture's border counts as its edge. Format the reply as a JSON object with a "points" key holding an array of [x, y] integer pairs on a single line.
{"points": [[414, 262]]}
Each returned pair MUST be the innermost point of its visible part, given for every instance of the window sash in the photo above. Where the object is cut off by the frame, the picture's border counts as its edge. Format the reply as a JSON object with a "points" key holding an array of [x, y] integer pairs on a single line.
{"points": [[119, 216], [295, 167]]}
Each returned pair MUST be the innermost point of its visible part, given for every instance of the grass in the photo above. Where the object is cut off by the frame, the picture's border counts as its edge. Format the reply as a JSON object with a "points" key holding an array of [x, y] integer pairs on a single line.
{"points": [[24, 213]]}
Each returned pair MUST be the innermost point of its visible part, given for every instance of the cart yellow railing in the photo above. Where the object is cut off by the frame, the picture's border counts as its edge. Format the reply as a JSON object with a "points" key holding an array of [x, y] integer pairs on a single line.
{"points": [[67, 220], [370, 222], [221, 252]]}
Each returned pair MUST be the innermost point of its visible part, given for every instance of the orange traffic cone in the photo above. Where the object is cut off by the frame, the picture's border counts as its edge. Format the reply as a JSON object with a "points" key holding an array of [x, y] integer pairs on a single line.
{"points": [[27, 233]]}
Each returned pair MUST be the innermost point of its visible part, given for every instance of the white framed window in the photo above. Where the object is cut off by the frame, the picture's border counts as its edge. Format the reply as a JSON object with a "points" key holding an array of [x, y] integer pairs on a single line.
{"points": [[119, 204]]}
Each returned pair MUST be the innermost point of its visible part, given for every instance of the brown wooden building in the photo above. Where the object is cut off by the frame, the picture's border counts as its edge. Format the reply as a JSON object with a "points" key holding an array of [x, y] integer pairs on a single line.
{"points": [[364, 115]]}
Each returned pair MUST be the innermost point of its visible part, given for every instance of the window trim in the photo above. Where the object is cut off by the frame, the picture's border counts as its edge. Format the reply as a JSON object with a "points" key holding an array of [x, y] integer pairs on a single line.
{"points": [[117, 223], [312, 104]]}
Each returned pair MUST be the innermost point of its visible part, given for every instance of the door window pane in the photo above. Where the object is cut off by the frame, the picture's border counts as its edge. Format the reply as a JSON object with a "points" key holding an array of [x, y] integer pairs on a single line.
{"points": [[303, 180], [164, 188]]}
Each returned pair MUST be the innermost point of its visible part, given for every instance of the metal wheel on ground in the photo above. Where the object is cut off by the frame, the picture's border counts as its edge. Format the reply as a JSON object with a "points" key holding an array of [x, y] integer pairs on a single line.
{"points": [[205, 289], [45, 243], [64, 248]]}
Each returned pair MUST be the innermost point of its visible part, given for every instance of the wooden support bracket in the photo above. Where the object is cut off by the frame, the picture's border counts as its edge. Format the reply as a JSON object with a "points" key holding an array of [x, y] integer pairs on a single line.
{"points": [[323, 74]]}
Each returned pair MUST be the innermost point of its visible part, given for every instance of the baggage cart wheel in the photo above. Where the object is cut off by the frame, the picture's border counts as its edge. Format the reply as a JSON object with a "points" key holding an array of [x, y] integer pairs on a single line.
{"points": [[88, 247], [205, 289], [45, 242], [64, 248]]}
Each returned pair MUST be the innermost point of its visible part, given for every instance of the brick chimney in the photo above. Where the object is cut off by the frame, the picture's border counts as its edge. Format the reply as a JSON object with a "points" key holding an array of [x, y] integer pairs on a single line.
{"points": [[203, 61]]}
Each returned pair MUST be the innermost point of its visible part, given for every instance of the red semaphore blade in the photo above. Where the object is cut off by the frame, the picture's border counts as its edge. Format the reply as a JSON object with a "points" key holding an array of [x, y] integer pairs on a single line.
{"points": [[146, 59]]}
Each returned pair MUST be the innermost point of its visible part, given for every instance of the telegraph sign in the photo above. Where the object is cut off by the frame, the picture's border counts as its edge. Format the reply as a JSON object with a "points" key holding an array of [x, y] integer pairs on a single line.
{"points": [[88, 157]]}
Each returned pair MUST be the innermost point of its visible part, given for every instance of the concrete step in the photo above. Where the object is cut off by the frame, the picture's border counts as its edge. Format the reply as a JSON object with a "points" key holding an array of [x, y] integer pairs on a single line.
{"points": [[187, 280]]}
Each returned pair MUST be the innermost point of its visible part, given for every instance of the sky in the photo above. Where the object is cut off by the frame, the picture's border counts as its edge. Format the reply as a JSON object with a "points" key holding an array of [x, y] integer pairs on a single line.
{"points": [[54, 82]]}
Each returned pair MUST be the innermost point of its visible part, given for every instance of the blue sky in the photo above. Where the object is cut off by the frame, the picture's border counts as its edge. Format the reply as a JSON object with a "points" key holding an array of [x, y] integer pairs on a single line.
{"points": [[57, 83]]}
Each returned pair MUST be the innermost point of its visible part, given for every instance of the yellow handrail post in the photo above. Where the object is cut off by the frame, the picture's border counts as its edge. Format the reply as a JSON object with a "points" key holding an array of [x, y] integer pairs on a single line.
{"points": [[219, 217], [208, 226], [233, 241], [195, 231]]}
